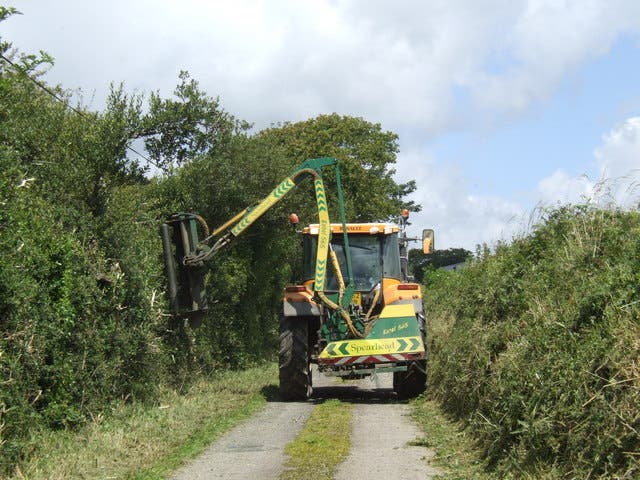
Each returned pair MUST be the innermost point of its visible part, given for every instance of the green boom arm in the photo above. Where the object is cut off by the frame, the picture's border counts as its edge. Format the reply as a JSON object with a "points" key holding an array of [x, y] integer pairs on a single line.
{"points": [[191, 254]]}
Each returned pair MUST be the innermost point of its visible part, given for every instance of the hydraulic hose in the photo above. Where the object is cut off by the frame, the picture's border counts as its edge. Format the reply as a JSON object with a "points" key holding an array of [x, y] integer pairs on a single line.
{"points": [[376, 297], [338, 272], [345, 315]]}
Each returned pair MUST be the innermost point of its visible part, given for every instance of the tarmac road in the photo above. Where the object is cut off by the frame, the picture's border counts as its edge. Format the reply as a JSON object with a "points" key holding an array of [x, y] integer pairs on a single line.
{"points": [[381, 432]]}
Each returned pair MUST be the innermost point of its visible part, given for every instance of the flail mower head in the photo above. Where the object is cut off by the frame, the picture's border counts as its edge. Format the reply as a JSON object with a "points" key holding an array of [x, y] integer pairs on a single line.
{"points": [[185, 281]]}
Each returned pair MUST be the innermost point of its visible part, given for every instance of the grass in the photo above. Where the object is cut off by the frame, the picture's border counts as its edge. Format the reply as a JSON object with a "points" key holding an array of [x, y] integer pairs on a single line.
{"points": [[322, 445], [456, 452], [535, 348], [149, 442]]}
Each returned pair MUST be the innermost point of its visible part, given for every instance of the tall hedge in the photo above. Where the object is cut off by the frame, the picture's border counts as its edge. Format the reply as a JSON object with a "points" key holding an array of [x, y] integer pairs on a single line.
{"points": [[537, 347], [77, 330]]}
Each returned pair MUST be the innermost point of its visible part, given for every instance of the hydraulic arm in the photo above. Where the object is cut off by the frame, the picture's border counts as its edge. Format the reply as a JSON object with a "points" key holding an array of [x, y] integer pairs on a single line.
{"points": [[184, 266]]}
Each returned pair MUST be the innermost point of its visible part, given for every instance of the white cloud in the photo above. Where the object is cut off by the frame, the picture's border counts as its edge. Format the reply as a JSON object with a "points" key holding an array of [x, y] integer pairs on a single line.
{"points": [[562, 188], [415, 66], [547, 41], [461, 218], [408, 64], [618, 159], [464, 219], [617, 175]]}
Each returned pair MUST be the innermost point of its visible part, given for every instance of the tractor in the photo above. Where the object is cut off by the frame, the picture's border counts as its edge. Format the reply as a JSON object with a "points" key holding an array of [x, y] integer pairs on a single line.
{"points": [[355, 311]]}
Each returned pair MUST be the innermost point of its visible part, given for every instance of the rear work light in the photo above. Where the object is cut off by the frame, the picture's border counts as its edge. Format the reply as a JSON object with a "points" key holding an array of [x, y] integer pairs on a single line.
{"points": [[295, 288], [408, 286]]}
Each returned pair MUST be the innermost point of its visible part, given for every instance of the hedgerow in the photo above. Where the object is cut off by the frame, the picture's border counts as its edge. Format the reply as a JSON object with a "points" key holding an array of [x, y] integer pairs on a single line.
{"points": [[537, 347]]}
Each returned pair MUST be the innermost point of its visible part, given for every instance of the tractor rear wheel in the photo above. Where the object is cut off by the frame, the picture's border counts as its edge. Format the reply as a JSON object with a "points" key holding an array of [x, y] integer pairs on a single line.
{"points": [[295, 373], [411, 383]]}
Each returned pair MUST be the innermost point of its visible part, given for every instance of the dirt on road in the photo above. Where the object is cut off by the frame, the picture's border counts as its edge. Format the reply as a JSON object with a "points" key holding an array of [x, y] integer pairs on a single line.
{"points": [[382, 433]]}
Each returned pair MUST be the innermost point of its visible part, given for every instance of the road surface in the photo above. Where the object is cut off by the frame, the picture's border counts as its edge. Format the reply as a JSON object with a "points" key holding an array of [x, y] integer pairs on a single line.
{"points": [[382, 431]]}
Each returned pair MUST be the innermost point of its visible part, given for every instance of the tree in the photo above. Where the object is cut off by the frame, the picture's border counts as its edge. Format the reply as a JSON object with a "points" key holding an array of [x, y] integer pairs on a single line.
{"points": [[80, 300], [367, 156], [419, 262], [176, 131]]}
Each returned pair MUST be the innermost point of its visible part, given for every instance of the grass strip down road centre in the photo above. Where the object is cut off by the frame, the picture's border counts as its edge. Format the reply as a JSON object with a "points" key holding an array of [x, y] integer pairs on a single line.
{"points": [[322, 445], [138, 441]]}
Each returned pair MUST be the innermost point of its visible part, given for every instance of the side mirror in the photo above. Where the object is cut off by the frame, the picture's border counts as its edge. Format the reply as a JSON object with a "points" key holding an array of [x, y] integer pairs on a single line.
{"points": [[427, 241]]}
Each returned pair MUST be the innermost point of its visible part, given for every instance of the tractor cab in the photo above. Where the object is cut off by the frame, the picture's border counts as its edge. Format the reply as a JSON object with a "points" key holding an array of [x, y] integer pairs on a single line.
{"points": [[375, 259]]}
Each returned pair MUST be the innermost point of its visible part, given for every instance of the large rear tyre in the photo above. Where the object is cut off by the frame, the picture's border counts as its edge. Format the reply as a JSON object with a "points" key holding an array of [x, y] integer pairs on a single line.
{"points": [[293, 359], [411, 383]]}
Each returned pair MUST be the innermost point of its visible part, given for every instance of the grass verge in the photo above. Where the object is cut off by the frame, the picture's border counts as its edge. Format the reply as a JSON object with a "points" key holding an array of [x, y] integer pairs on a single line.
{"points": [[322, 445], [456, 452], [149, 442]]}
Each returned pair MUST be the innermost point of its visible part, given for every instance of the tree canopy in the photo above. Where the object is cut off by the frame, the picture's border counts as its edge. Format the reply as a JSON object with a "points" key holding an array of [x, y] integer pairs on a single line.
{"points": [[420, 262], [367, 156]]}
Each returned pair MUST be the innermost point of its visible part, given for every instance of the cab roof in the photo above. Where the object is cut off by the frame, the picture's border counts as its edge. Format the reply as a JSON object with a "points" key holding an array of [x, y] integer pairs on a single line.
{"points": [[362, 228]]}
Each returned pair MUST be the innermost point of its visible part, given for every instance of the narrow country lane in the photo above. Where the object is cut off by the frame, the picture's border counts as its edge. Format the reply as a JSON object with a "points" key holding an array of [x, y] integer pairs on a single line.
{"points": [[382, 432], [381, 435], [254, 449], [380, 447]]}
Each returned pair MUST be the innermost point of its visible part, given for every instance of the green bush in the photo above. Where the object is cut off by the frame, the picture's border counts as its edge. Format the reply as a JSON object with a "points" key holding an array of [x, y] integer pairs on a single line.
{"points": [[77, 330], [536, 346]]}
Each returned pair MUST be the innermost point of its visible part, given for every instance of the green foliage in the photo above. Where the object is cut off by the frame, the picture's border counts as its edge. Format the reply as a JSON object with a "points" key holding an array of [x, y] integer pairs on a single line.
{"points": [[536, 346], [420, 262], [6, 12], [176, 131], [75, 330], [455, 448], [132, 441], [367, 155]]}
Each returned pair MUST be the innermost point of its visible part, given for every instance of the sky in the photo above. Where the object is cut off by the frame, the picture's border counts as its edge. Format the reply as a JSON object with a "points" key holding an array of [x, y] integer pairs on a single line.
{"points": [[502, 107]]}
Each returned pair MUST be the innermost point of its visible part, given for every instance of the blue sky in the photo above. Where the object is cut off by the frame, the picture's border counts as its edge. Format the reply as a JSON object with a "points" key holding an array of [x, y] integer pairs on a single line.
{"points": [[501, 105], [562, 131]]}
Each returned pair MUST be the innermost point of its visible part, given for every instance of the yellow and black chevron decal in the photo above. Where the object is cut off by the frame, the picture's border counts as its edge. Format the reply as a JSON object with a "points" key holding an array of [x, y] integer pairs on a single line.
{"points": [[324, 235], [321, 197], [382, 346], [274, 197]]}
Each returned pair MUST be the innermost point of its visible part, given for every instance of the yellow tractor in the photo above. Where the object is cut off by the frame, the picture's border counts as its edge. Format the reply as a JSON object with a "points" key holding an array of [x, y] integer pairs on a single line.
{"points": [[355, 311]]}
